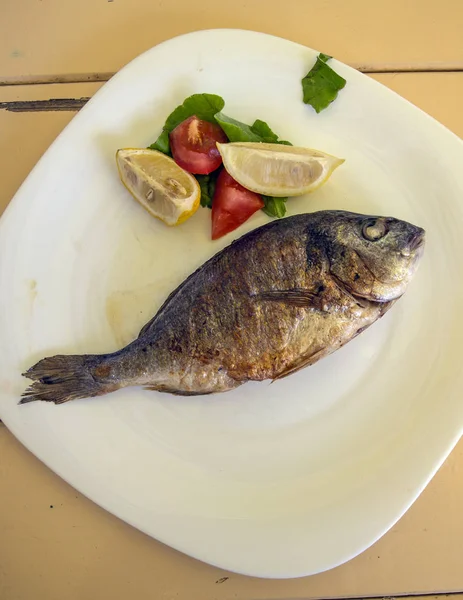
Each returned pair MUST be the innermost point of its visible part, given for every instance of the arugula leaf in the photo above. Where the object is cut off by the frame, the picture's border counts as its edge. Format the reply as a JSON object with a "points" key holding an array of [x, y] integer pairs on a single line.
{"points": [[321, 84], [162, 143], [207, 184], [262, 129], [324, 57], [236, 131], [274, 207], [204, 106]]}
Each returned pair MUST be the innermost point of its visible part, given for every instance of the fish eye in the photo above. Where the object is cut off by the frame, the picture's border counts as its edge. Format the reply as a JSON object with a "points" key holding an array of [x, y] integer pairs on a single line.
{"points": [[374, 230]]}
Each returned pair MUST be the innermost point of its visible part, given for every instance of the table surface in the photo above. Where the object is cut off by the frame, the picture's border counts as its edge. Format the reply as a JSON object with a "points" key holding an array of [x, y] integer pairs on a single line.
{"points": [[56, 544]]}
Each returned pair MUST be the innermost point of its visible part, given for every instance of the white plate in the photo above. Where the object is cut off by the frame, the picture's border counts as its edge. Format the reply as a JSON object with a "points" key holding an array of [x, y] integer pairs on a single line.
{"points": [[273, 481]]}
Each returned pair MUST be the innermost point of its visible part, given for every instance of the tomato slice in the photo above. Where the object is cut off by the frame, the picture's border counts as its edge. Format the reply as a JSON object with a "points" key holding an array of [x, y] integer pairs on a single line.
{"points": [[193, 145], [232, 205]]}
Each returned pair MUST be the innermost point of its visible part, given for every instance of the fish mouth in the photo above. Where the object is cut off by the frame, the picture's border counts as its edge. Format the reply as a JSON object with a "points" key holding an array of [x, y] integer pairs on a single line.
{"points": [[417, 240], [415, 243]]}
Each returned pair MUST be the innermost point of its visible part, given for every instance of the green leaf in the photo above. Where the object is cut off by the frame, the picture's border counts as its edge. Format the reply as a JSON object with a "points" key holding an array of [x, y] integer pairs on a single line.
{"points": [[236, 131], [204, 106], [321, 84], [162, 143], [324, 57], [274, 207], [261, 129], [207, 184]]}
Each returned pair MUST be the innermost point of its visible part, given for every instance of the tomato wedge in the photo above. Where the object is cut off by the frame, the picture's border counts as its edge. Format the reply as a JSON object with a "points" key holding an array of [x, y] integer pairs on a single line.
{"points": [[232, 205], [193, 145]]}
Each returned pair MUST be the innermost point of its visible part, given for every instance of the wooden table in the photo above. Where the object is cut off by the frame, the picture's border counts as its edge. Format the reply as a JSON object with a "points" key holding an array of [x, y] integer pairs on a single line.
{"points": [[54, 543]]}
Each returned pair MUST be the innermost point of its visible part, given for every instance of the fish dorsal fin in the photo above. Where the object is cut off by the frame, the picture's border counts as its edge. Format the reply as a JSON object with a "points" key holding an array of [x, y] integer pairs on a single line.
{"points": [[146, 327]]}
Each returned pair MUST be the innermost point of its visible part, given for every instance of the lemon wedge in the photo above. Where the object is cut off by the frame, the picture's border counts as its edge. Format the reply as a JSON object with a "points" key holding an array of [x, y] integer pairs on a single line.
{"points": [[277, 170], [166, 190]]}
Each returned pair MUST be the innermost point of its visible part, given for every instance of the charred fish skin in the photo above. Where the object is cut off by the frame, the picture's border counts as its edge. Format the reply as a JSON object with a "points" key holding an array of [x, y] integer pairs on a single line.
{"points": [[276, 300]]}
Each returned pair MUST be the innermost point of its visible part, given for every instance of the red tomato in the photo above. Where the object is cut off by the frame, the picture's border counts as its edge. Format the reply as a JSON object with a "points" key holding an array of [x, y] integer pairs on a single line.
{"points": [[193, 145], [232, 205]]}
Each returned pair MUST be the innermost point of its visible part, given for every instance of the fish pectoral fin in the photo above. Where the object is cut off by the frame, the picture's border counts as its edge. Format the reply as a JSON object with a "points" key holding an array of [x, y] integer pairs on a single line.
{"points": [[301, 297], [300, 363]]}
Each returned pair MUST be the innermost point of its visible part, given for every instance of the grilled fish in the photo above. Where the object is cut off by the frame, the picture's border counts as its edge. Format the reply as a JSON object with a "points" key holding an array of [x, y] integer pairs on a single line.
{"points": [[276, 300]]}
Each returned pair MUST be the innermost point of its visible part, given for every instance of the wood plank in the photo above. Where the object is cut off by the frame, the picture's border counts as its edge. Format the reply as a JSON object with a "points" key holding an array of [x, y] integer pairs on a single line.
{"points": [[100, 37], [26, 136], [70, 551], [438, 94]]}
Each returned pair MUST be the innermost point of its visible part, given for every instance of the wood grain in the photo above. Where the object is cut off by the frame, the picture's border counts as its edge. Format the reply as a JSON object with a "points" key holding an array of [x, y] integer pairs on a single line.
{"points": [[53, 37]]}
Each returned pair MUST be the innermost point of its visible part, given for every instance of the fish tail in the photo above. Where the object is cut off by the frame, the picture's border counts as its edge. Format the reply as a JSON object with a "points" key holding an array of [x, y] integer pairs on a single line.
{"points": [[60, 378]]}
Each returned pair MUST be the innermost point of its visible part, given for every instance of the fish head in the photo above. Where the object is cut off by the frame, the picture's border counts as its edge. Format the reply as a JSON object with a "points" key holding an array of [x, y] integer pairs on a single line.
{"points": [[374, 257]]}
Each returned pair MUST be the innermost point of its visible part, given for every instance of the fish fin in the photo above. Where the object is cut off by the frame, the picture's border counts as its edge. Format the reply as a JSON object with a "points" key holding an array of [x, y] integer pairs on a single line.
{"points": [[173, 391], [301, 363], [59, 379], [297, 297], [146, 327]]}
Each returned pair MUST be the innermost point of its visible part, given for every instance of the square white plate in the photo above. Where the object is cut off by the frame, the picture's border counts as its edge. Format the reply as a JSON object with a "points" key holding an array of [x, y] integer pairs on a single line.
{"points": [[272, 481]]}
